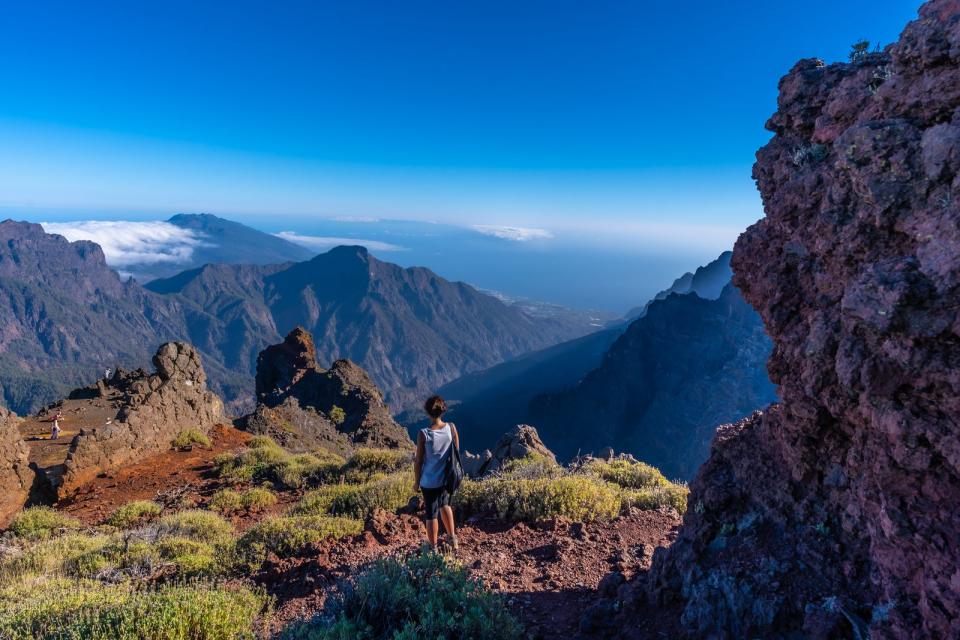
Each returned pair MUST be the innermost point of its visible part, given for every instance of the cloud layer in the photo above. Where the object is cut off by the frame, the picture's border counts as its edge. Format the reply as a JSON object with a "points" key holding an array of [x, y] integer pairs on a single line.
{"points": [[126, 243], [322, 243], [514, 234]]}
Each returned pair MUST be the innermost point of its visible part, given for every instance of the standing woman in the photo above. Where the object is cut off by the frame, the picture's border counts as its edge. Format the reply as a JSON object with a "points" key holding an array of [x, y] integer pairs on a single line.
{"points": [[429, 470]]}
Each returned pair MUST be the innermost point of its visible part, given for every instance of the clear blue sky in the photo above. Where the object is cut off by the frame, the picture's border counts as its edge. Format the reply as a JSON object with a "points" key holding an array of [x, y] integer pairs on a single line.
{"points": [[630, 118]]}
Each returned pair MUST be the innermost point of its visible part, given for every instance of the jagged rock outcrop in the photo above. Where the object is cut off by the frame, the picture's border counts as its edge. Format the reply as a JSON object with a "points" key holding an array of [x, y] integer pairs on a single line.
{"points": [[835, 513], [152, 411], [519, 443], [16, 477], [305, 407], [685, 366]]}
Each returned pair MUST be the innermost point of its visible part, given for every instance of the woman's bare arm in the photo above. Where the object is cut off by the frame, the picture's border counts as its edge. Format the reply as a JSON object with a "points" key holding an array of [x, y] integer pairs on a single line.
{"points": [[418, 462], [456, 436]]}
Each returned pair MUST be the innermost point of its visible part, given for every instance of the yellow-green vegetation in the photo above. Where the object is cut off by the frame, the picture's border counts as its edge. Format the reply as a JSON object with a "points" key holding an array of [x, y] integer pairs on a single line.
{"points": [[195, 524], [417, 597], [266, 461], [359, 500], [285, 535], [68, 554], [367, 463], [231, 501], [578, 497], [533, 465], [37, 523], [337, 415], [61, 609], [644, 487], [134, 513], [189, 437]]}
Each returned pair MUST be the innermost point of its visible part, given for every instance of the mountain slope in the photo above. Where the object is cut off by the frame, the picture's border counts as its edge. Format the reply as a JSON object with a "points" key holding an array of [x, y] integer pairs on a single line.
{"points": [[686, 366], [409, 328], [487, 403]]}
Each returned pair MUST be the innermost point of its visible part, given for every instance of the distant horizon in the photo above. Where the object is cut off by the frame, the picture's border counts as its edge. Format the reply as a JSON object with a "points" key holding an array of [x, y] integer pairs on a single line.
{"points": [[596, 122]]}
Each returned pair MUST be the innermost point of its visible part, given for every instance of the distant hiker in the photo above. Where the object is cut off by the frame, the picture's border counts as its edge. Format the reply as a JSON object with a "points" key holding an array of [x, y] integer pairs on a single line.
{"points": [[106, 373], [55, 429], [438, 449]]}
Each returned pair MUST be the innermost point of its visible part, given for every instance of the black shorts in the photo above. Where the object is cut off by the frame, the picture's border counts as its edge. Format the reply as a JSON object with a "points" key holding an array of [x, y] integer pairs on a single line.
{"points": [[433, 499]]}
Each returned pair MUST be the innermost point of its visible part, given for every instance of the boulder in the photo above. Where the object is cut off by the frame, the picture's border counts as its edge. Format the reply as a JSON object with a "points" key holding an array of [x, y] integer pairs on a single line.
{"points": [[519, 443], [152, 410], [305, 407], [16, 476]]}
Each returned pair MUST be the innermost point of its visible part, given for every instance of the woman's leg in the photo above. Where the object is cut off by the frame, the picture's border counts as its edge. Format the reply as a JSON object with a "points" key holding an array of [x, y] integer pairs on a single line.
{"points": [[446, 514], [431, 504], [433, 530]]}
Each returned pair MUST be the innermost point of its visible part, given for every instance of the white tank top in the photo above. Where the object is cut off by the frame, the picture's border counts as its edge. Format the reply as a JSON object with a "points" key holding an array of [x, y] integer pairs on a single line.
{"points": [[436, 449]]}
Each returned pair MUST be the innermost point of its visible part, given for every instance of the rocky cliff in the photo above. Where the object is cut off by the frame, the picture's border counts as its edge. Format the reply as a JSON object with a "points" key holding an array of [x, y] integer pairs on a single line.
{"points": [[305, 407], [16, 477], [152, 410], [677, 372], [834, 514]]}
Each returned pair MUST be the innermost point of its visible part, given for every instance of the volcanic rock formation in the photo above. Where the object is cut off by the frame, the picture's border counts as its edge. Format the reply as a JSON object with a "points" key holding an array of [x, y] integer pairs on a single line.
{"points": [[519, 443], [305, 407], [153, 410], [16, 477], [834, 514]]}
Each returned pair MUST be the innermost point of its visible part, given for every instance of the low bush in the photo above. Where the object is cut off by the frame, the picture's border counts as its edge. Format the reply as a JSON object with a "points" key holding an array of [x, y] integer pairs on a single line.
{"points": [[134, 513], [285, 535], [673, 495], [230, 501], [633, 475], [266, 461], [337, 415], [366, 463], [201, 526], [532, 466], [64, 555], [420, 597], [189, 437], [61, 609], [36, 523], [358, 500], [578, 497]]}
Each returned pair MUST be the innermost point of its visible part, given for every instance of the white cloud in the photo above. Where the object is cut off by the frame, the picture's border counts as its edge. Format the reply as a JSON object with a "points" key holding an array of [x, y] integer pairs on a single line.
{"points": [[322, 243], [126, 243], [515, 234], [355, 219]]}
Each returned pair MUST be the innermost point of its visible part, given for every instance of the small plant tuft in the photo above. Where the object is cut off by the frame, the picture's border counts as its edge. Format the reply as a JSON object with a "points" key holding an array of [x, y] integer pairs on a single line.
{"points": [[187, 438], [859, 50], [337, 415], [37, 523], [134, 513]]}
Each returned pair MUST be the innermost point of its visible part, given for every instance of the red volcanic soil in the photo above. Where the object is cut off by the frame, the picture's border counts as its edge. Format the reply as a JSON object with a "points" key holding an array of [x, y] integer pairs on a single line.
{"points": [[183, 475], [549, 573]]}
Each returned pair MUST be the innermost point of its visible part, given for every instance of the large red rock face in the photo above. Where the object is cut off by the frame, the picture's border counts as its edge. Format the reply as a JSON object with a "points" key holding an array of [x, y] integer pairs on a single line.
{"points": [[836, 512]]}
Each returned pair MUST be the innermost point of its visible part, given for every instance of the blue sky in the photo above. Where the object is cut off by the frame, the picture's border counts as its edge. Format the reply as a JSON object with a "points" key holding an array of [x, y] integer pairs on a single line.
{"points": [[612, 122]]}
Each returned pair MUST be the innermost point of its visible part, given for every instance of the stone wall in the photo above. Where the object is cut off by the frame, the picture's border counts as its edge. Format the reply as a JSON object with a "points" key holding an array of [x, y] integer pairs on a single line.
{"points": [[153, 410]]}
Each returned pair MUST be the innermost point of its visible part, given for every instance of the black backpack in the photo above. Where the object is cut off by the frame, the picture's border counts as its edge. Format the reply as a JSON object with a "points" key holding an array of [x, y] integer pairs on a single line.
{"points": [[453, 474]]}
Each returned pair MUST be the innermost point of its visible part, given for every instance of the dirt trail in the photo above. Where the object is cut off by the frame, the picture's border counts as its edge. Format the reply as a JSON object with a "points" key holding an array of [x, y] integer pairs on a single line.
{"points": [[49, 454], [549, 573]]}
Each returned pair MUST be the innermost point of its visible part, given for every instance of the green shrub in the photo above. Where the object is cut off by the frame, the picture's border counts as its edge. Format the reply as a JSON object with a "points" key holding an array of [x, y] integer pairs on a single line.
{"points": [[285, 535], [533, 465], [191, 557], [201, 526], [231, 501], [633, 475], [373, 461], [358, 500], [36, 523], [63, 555], [189, 437], [134, 513], [59, 610], [673, 495], [578, 497], [420, 597], [337, 415], [266, 461], [859, 50]]}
